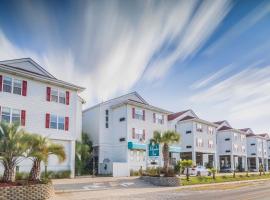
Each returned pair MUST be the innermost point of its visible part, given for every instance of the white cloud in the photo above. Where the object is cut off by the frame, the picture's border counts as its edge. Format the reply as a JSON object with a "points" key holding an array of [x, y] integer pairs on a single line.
{"points": [[242, 98], [200, 27]]}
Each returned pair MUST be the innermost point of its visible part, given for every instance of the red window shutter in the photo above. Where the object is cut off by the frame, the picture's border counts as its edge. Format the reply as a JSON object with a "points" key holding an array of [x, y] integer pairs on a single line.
{"points": [[23, 115], [1, 82], [48, 95], [24, 88], [133, 113], [154, 117], [66, 123], [47, 122], [143, 115], [133, 133], [143, 134], [67, 97]]}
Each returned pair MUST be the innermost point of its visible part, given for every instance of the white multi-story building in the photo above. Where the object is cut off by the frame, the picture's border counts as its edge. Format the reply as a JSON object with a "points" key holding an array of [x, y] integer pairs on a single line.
{"points": [[41, 104], [121, 129], [231, 148], [198, 137], [256, 150]]}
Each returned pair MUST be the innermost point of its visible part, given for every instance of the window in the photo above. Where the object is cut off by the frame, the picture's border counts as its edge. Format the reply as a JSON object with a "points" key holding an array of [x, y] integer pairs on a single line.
{"points": [[188, 147], [122, 139], [54, 95], [235, 146], [242, 137], [138, 155], [62, 97], [199, 127], [107, 118], [16, 116], [7, 84], [210, 144], [210, 130], [199, 142], [243, 149], [131, 155], [61, 123], [252, 144], [139, 134], [139, 114], [235, 135], [17, 87], [159, 119], [53, 121], [227, 139], [6, 114], [253, 154], [228, 151], [122, 119], [188, 132]]}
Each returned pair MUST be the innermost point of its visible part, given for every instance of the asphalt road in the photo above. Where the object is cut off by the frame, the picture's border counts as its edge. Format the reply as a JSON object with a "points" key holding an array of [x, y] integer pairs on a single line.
{"points": [[143, 191]]}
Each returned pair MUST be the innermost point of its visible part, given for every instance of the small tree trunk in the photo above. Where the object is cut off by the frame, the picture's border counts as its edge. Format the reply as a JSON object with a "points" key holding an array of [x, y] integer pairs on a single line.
{"points": [[9, 172], [214, 175], [166, 156], [187, 174], [35, 171]]}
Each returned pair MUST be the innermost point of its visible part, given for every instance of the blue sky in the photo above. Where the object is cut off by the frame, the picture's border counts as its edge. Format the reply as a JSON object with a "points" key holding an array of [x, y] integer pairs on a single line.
{"points": [[211, 56]]}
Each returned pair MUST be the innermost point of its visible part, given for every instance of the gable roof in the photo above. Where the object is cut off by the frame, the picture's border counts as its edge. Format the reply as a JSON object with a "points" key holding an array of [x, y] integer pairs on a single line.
{"points": [[223, 128], [27, 64], [187, 118], [247, 130], [219, 122], [28, 68], [178, 114]]}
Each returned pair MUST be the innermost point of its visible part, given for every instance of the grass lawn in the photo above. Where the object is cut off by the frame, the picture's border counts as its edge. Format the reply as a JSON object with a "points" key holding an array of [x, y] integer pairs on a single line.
{"points": [[221, 179]]}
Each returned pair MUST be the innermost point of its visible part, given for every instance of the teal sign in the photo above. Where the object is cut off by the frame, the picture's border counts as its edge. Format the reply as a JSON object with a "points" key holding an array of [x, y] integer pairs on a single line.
{"points": [[153, 150]]}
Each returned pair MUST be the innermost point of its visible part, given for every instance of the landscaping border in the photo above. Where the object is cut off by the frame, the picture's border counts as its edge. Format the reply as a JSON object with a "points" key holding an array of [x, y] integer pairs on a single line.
{"points": [[162, 181], [27, 192]]}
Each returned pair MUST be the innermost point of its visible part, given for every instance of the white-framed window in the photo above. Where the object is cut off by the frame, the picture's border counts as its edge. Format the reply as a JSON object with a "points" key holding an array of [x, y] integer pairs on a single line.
{"points": [[243, 149], [17, 87], [54, 95], [107, 118], [61, 123], [138, 114], [159, 119], [210, 130], [16, 116], [242, 137], [53, 121], [62, 97], [210, 143], [6, 114], [139, 134], [138, 156], [235, 146], [199, 142], [199, 127], [235, 135], [7, 84]]}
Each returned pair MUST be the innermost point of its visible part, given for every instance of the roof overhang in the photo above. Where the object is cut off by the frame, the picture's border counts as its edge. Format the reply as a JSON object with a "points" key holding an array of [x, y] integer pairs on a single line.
{"points": [[41, 78], [142, 105], [200, 121]]}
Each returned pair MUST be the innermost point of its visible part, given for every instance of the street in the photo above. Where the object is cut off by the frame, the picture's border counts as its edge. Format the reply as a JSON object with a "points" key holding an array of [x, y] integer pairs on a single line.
{"points": [[135, 189]]}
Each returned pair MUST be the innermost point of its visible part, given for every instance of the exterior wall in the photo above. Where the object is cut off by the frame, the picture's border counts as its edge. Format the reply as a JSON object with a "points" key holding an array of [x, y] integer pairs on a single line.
{"points": [[36, 107], [186, 139]]}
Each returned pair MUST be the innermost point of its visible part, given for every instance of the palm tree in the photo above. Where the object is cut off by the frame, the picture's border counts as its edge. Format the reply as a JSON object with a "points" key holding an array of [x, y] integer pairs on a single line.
{"points": [[12, 149], [41, 149], [166, 138], [83, 153], [213, 172], [186, 164]]}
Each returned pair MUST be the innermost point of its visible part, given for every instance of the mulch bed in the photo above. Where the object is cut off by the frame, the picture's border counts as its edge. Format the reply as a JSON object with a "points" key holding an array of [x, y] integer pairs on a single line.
{"points": [[19, 183]]}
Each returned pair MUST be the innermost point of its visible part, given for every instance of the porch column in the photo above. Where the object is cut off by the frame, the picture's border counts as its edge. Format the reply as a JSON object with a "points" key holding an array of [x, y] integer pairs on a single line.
{"points": [[246, 163], [194, 157], [216, 164], [232, 162], [266, 164], [257, 164]]}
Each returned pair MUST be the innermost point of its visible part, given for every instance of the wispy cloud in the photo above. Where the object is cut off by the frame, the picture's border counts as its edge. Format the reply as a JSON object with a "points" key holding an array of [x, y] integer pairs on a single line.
{"points": [[113, 44], [261, 11], [243, 97]]}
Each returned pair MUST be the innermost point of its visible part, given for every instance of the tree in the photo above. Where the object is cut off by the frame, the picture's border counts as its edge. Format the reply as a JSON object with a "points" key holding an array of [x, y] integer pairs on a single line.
{"points": [[261, 169], [41, 149], [213, 172], [12, 149], [165, 139], [83, 154], [186, 164]]}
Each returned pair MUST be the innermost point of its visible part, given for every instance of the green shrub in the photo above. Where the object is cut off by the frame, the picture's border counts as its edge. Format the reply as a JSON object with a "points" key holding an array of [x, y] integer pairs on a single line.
{"points": [[57, 174], [22, 175], [153, 171], [134, 173]]}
